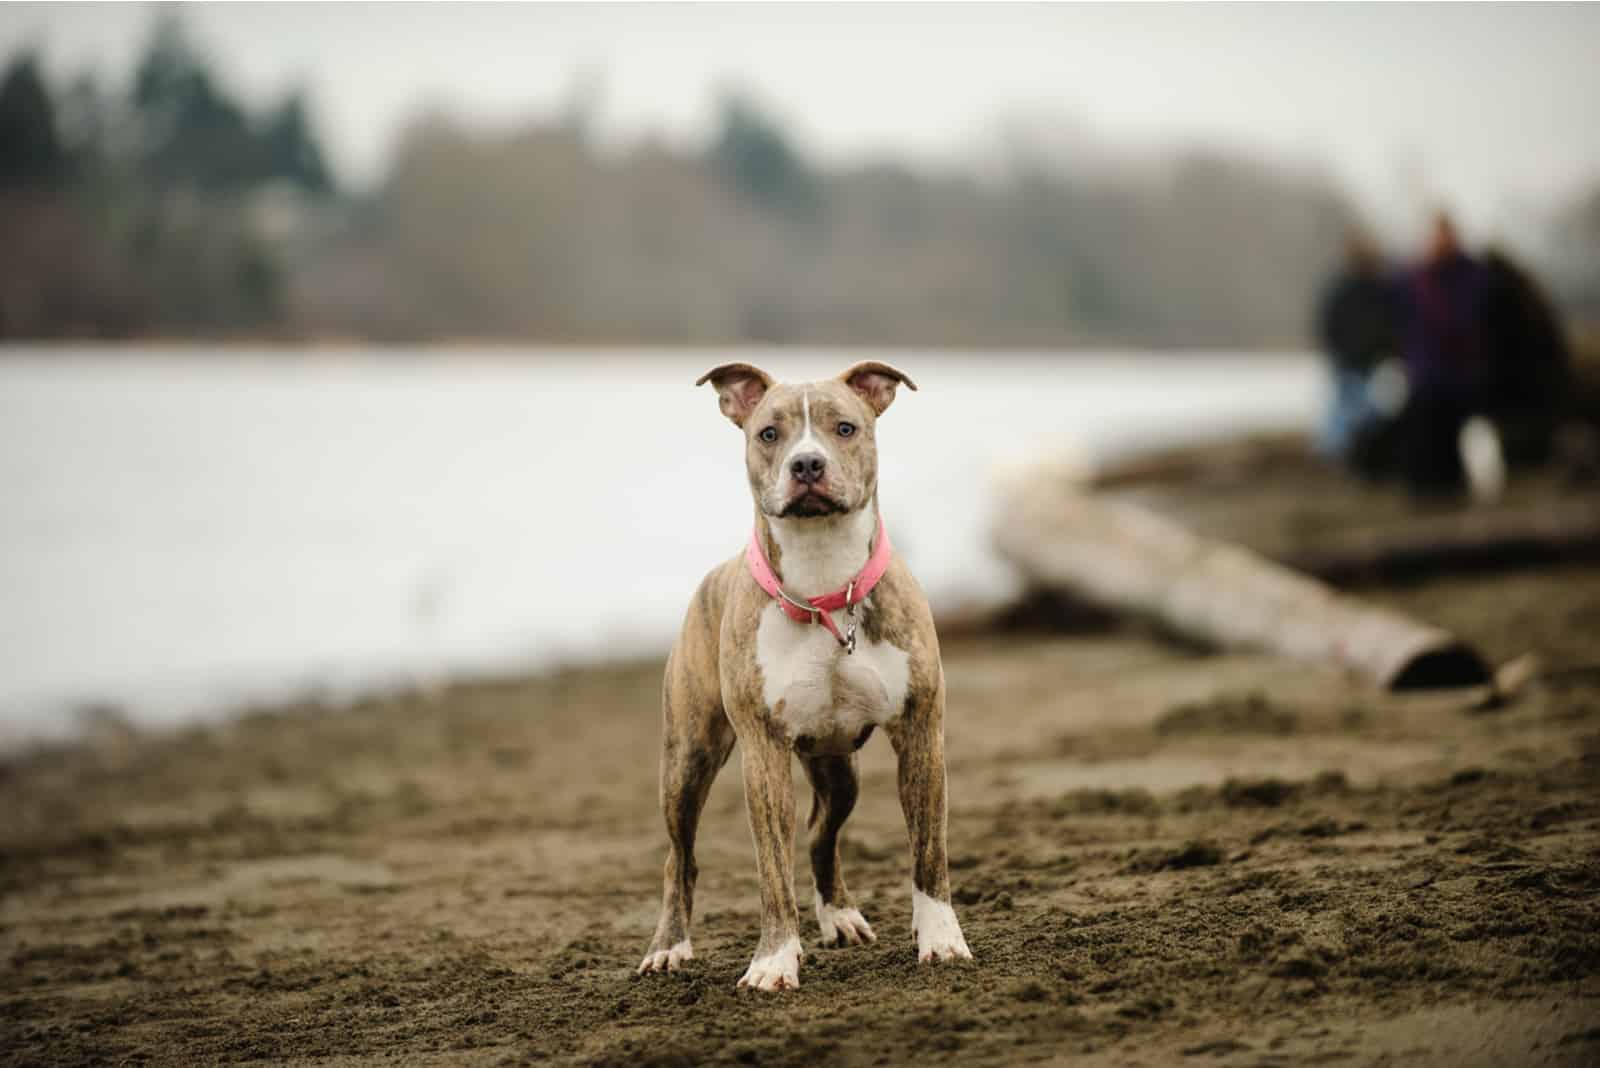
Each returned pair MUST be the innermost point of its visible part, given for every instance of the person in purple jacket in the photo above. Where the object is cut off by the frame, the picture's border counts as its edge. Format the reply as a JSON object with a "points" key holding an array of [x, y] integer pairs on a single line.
{"points": [[1441, 316]]}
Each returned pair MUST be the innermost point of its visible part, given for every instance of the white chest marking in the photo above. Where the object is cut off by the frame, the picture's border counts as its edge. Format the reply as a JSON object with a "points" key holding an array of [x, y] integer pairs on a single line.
{"points": [[825, 694]]}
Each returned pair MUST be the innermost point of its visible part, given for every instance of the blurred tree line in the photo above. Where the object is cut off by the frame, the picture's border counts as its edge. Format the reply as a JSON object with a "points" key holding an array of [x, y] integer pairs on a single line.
{"points": [[536, 234], [169, 208], [147, 211]]}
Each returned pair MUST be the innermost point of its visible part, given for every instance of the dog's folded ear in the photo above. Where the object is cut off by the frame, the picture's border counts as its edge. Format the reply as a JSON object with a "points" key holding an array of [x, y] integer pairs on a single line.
{"points": [[739, 386], [876, 383]]}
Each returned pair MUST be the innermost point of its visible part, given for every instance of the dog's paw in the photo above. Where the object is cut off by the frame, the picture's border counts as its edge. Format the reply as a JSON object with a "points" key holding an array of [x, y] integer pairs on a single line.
{"points": [[939, 936], [778, 970], [667, 960], [842, 926]]}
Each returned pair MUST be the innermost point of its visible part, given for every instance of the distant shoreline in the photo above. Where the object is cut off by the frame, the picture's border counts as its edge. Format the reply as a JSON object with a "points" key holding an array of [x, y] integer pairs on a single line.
{"points": [[13, 346]]}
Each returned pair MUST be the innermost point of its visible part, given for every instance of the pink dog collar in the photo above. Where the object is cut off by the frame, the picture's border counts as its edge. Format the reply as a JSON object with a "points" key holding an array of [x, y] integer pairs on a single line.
{"points": [[816, 609]]}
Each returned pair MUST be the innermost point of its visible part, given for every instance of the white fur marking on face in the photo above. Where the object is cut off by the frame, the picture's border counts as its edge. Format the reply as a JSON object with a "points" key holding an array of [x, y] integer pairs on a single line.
{"points": [[938, 934], [807, 438], [845, 926], [668, 960], [778, 970]]}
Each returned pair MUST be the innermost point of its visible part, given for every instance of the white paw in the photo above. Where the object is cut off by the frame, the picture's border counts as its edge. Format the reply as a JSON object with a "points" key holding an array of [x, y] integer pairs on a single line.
{"points": [[842, 926], [778, 970], [938, 934], [667, 960]]}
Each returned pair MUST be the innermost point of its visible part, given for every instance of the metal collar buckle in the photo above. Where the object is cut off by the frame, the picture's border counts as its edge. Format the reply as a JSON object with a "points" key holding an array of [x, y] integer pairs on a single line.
{"points": [[813, 609], [848, 642], [850, 613]]}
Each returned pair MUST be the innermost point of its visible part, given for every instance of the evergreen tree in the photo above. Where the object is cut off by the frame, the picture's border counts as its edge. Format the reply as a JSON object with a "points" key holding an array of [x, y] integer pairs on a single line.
{"points": [[754, 156], [192, 132], [291, 148], [30, 149]]}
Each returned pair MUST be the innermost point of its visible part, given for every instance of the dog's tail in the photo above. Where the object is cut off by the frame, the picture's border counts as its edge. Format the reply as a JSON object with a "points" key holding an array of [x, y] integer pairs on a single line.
{"points": [[816, 808]]}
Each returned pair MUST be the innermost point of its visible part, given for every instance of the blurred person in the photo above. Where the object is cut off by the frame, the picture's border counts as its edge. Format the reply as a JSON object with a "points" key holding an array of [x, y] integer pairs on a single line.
{"points": [[1528, 374], [1441, 301], [1355, 324]]}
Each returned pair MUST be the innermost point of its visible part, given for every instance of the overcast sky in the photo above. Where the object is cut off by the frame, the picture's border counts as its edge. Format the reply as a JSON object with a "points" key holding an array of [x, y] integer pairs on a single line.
{"points": [[1492, 108]]}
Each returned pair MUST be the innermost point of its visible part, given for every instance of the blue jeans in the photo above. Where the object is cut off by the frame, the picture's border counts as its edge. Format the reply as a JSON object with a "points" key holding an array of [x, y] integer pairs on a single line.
{"points": [[1349, 410]]}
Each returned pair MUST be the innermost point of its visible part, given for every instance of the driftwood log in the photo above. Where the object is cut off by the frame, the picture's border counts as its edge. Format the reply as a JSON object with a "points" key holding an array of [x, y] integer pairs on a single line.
{"points": [[1119, 556], [1236, 458], [1465, 540]]}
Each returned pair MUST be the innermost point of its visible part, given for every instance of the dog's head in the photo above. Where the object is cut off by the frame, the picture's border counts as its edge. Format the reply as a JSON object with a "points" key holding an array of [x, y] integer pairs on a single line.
{"points": [[810, 450]]}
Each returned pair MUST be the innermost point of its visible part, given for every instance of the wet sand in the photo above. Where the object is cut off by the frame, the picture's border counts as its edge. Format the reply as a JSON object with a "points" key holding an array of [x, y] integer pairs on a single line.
{"points": [[1159, 857]]}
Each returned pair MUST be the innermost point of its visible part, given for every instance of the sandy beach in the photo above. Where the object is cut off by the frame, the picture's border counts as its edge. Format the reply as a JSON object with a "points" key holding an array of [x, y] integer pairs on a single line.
{"points": [[1159, 856], [378, 383]]}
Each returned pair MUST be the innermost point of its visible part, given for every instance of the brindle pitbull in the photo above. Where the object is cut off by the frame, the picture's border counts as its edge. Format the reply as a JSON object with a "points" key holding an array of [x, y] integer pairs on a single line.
{"points": [[749, 666]]}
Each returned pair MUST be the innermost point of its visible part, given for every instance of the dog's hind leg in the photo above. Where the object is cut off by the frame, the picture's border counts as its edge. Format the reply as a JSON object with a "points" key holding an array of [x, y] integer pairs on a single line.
{"points": [[695, 742], [836, 784]]}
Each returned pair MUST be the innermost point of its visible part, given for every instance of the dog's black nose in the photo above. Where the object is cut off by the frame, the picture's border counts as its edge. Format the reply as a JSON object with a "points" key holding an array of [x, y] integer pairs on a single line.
{"points": [[808, 468]]}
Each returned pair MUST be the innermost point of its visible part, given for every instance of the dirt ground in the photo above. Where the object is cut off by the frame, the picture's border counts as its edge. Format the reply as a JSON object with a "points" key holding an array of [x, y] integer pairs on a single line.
{"points": [[1159, 857]]}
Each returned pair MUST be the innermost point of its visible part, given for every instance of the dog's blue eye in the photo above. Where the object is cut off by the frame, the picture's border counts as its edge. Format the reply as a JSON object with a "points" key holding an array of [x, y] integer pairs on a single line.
{"points": [[846, 429], [769, 435]]}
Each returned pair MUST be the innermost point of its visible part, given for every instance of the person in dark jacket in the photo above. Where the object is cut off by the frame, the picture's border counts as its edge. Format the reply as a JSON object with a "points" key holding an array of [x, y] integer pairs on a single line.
{"points": [[1529, 364], [1355, 323], [1442, 340]]}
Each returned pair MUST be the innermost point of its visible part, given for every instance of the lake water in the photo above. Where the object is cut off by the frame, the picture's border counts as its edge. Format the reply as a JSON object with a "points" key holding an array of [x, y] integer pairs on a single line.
{"points": [[186, 531]]}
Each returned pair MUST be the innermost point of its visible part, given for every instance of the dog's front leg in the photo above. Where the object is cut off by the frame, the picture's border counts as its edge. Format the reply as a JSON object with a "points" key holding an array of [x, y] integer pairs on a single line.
{"points": [[769, 800], [919, 744]]}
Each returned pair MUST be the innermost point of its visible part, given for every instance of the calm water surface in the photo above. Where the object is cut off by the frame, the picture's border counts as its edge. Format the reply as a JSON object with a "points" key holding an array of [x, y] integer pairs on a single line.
{"points": [[184, 531]]}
